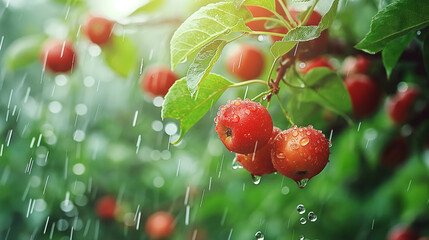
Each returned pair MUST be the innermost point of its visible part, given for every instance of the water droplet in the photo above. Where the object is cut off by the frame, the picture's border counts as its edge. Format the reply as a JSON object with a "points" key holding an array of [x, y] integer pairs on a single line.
{"points": [[330, 143], [294, 146], [247, 111], [302, 183], [310, 126], [300, 208], [301, 237], [235, 118], [259, 235], [308, 133], [251, 107], [312, 216], [304, 141], [295, 126], [294, 133], [216, 119], [236, 164], [256, 179], [237, 103], [280, 155], [302, 220]]}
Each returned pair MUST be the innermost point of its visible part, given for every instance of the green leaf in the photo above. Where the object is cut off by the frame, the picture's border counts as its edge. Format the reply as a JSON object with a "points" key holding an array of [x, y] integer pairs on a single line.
{"points": [[148, 7], [425, 51], [268, 4], [393, 21], [203, 63], [326, 88], [179, 104], [121, 55], [393, 51], [205, 25], [24, 51], [280, 48], [304, 33]]}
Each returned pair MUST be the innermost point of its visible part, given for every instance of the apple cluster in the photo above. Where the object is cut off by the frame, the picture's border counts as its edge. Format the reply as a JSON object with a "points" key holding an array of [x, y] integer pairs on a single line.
{"points": [[246, 128]]}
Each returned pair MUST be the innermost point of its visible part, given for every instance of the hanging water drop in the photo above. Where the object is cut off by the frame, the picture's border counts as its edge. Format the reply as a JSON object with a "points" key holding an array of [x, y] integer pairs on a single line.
{"points": [[302, 183], [235, 118], [300, 208], [312, 216], [236, 164], [256, 179], [259, 235]]}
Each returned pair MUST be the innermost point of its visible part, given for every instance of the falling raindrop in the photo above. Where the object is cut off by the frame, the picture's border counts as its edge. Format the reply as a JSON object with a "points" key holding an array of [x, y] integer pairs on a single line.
{"points": [[259, 235], [300, 208], [256, 179], [236, 164], [312, 216], [302, 183], [302, 220]]}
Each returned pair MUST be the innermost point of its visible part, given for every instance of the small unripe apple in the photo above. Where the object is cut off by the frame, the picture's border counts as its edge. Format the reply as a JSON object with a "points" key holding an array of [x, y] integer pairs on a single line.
{"points": [[160, 225], [365, 94], [259, 163], [58, 56], [246, 62], [98, 29], [157, 80], [244, 126]]}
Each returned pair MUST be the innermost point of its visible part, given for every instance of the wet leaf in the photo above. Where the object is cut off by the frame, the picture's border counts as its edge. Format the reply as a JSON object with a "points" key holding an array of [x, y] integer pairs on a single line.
{"points": [[179, 104], [393, 51], [121, 55], [326, 88], [148, 7], [208, 23], [24, 51], [203, 63], [393, 21]]}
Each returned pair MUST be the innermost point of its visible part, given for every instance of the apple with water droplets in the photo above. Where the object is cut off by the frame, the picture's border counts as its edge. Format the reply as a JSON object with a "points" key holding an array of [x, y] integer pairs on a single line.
{"points": [[259, 163], [244, 126], [300, 153]]}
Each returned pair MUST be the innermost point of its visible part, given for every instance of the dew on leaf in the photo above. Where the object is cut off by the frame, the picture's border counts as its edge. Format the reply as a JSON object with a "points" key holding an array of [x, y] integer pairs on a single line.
{"points": [[300, 208], [302, 220], [312, 216]]}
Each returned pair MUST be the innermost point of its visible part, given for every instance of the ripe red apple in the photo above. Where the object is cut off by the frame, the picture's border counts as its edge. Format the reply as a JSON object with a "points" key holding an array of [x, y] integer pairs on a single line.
{"points": [[244, 126], [365, 94], [259, 25], [157, 80], [300, 153], [400, 106], [98, 29], [246, 62], [259, 163], [160, 225], [402, 233], [308, 49], [106, 207], [356, 64], [58, 56], [315, 63]]}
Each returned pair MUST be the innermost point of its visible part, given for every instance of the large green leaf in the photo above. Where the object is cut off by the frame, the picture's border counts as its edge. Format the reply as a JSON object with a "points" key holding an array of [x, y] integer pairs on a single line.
{"points": [[24, 51], [148, 7], [203, 63], [304, 33], [393, 21], [203, 26], [326, 88], [393, 51], [121, 55], [268, 4], [180, 104]]}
